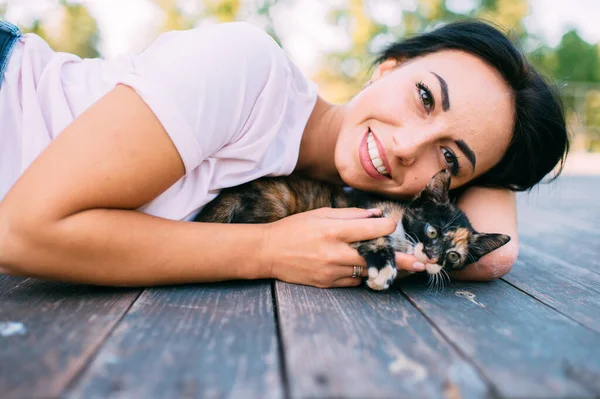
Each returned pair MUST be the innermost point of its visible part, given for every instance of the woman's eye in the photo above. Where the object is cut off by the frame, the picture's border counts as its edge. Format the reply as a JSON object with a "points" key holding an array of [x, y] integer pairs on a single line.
{"points": [[430, 231], [451, 160], [425, 97], [452, 256]]}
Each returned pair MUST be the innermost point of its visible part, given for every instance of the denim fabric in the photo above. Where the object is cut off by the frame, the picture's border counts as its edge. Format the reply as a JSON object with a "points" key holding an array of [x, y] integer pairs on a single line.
{"points": [[9, 34]]}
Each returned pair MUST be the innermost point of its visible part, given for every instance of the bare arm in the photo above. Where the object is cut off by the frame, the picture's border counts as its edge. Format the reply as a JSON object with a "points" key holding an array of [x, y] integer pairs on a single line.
{"points": [[71, 216], [491, 211]]}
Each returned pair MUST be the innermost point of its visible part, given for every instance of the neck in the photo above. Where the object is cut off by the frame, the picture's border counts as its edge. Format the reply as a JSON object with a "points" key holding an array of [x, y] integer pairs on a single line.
{"points": [[317, 148]]}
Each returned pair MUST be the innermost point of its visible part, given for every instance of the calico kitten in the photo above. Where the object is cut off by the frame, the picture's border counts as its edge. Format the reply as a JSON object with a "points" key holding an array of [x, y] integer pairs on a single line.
{"points": [[430, 226]]}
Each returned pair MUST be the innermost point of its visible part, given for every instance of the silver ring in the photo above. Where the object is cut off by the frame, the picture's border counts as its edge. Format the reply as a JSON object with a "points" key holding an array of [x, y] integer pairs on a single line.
{"points": [[358, 270]]}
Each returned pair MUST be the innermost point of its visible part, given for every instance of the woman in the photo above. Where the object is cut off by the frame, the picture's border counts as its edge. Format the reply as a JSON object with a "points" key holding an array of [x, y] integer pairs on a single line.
{"points": [[105, 161]]}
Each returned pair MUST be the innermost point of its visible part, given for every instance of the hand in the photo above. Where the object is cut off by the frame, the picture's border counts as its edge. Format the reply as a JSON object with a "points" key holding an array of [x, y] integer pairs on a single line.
{"points": [[311, 248], [408, 263]]}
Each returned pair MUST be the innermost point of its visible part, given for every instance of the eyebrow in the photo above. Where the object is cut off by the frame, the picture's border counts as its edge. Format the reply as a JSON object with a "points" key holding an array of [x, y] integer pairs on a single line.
{"points": [[445, 96], [467, 151]]}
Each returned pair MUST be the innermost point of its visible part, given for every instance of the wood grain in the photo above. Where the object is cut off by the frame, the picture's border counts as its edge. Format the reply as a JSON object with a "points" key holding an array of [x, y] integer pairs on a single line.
{"points": [[571, 289], [196, 341], [575, 197], [50, 331], [355, 343], [525, 348], [562, 219], [572, 240]]}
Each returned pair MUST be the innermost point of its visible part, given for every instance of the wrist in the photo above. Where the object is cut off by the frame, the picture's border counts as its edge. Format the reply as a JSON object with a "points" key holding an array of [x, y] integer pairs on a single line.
{"points": [[265, 258]]}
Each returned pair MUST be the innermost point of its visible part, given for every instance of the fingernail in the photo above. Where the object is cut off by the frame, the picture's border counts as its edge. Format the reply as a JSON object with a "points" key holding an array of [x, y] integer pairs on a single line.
{"points": [[375, 211], [418, 266]]}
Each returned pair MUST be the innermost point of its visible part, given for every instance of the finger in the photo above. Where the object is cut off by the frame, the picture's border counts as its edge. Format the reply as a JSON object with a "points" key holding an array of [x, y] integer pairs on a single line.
{"points": [[348, 272], [365, 229], [349, 257], [347, 282], [350, 213], [408, 262]]}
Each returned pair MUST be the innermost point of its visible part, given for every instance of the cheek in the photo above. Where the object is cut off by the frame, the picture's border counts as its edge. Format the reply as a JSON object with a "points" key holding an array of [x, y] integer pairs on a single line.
{"points": [[415, 179], [346, 154]]}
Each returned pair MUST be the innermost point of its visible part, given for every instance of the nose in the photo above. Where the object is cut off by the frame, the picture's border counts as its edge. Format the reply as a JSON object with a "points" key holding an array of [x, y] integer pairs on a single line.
{"points": [[433, 258], [407, 149]]}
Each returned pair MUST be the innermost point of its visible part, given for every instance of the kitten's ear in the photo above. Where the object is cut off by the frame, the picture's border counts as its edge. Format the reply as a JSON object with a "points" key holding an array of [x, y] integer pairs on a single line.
{"points": [[436, 190], [482, 244]]}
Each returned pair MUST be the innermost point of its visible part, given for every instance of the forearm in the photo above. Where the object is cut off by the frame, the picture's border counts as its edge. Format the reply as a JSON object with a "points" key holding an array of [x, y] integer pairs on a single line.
{"points": [[491, 211], [129, 248]]}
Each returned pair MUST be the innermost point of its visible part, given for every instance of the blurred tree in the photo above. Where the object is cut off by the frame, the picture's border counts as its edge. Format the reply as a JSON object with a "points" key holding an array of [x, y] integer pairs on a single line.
{"points": [[576, 59], [76, 32], [263, 9], [544, 59], [174, 17], [222, 10], [344, 73], [507, 14]]}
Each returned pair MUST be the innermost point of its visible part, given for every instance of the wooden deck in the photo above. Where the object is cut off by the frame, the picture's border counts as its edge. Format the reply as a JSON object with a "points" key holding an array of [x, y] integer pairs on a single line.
{"points": [[533, 334]]}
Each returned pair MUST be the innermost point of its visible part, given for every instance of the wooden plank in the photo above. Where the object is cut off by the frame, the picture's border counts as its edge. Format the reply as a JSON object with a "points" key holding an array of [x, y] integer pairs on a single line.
{"points": [[358, 343], [214, 340], [569, 288], [562, 236], [50, 330], [573, 196], [525, 348]]}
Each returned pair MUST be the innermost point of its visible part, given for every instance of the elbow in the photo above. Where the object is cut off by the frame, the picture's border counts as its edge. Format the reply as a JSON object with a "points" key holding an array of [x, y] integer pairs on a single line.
{"points": [[14, 239], [494, 265], [8, 249], [499, 263]]}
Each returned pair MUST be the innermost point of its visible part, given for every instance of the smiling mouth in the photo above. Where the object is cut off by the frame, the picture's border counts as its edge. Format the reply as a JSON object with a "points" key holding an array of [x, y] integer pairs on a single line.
{"points": [[376, 159]]}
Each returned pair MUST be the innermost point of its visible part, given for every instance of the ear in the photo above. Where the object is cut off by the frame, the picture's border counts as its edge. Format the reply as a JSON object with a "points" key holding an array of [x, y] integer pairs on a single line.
{"points": [[436, 190], [482, 244], [385, 67]]}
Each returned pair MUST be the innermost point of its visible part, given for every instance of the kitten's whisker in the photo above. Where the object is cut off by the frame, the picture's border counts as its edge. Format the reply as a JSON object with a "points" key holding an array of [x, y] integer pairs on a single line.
{"points": [[429, 284], [456, 216], [447, 276]]}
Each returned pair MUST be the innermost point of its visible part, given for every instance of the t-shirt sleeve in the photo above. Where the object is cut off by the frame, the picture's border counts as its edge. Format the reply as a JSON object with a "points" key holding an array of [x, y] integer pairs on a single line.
{"points": [[202, 84]]}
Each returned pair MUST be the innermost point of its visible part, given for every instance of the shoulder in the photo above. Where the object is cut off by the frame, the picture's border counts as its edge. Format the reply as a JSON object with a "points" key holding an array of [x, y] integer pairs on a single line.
{"points": [[222, 42], [236, 51], [240, 34]]}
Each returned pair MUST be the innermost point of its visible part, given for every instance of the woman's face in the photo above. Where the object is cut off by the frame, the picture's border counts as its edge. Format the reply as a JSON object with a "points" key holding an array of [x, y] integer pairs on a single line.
{"points": [[444, 110]]}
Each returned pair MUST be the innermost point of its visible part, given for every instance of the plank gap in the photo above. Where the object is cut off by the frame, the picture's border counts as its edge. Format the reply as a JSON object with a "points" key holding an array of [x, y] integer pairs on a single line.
{"points": [[95, 350], [548, 305], [493, 392], [280, 347]]}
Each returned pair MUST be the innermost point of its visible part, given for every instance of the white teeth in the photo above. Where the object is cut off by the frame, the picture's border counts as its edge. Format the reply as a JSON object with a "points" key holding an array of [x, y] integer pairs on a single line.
{"points": [[374, 154]]}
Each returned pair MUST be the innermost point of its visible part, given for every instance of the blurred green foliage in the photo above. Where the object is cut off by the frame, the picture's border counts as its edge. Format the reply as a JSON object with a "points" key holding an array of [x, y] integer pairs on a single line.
{"points": [[573, 64]]}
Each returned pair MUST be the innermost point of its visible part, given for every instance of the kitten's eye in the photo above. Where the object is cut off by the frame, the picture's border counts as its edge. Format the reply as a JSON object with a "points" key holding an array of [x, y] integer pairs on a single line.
{"points": [[452, 256], [430, 231]]}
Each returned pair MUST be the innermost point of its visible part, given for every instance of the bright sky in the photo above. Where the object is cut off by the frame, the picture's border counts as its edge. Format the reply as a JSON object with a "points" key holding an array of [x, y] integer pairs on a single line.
{"points": [[129, 25]]}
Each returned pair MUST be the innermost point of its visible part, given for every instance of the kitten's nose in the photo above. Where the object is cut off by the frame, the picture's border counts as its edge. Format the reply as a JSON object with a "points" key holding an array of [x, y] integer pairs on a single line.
{"points": [[431, 256]]}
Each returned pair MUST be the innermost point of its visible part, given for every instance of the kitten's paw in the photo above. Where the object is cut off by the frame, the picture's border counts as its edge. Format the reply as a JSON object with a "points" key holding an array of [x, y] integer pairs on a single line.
{"points": [[382, 279]]}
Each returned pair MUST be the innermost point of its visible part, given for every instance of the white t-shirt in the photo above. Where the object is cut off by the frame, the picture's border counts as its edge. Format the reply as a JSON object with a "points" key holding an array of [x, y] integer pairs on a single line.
{"points": [[232, 102]]}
